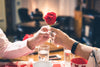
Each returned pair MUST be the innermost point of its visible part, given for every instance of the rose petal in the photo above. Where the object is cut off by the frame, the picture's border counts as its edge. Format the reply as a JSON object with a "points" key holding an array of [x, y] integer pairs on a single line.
{"points": [[50, 18]]}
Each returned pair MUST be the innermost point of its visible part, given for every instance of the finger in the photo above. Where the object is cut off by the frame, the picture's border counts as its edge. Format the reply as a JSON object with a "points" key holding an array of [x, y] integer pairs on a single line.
{"points": [[52, 34], [45, 28], [46, 36], [52, 39], [44, 33], [58, 31], [55, 30]]}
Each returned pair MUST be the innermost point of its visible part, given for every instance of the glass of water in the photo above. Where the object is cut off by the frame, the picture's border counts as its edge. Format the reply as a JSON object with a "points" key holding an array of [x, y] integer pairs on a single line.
{"points": [[43, 53], [67, 57]]}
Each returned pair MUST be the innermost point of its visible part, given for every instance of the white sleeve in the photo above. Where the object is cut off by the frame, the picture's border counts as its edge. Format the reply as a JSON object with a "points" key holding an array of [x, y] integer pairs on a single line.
{"points": [[12, 50], [94, 58]]}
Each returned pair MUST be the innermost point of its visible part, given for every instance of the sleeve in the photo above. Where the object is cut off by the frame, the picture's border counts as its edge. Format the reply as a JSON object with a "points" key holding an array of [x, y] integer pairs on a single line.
{"points": [[12, 50], [94, 58]]}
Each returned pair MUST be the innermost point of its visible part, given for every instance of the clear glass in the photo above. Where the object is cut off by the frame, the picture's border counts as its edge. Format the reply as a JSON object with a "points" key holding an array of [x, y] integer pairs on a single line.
{"points": [[43, 53], [67, 57]]}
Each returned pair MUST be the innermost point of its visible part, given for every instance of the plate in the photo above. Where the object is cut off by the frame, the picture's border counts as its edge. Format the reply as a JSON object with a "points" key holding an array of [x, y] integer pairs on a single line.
{"points": [[43, 64]]}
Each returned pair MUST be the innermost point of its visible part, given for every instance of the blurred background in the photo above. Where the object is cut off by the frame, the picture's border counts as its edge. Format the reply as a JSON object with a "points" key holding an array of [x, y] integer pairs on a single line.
{"points": [[78, 18]]}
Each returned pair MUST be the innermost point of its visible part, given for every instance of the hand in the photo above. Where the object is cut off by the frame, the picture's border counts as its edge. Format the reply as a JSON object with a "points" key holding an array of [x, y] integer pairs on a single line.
{"points": [[39, 38], [61, 38]]}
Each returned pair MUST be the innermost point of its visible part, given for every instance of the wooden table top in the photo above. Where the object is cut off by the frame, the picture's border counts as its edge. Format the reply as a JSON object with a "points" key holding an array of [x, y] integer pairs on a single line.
{"points": [[54, 50], [35, 57]]}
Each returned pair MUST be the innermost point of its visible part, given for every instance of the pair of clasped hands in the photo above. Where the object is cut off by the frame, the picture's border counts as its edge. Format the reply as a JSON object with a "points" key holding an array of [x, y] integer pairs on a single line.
{"points": [[58, 37]]}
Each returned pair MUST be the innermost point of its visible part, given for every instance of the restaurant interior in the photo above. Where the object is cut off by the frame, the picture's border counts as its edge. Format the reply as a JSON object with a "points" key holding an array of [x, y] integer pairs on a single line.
{"points": [[80, 19]]}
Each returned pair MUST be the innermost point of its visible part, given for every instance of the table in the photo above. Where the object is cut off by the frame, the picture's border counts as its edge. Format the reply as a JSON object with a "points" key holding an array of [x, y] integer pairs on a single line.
{"points": [[29, 64], [54, 50], [31, 59], [35, 57], [25, 60]]}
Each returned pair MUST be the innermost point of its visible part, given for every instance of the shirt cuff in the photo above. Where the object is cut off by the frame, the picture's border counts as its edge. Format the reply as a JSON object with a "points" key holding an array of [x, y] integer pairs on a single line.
{"points": [[26, 48]]}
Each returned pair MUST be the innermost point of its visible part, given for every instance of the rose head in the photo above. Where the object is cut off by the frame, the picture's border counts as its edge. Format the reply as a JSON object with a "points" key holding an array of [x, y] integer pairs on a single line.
{"points": [[50, 18]]}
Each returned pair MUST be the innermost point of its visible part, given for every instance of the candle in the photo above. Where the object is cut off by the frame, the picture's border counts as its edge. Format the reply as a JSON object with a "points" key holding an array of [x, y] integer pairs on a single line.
{"points": [[56, 65]]}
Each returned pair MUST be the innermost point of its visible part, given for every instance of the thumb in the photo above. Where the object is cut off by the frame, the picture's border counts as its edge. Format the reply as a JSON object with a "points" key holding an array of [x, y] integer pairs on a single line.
{"points": [[57, 31]]}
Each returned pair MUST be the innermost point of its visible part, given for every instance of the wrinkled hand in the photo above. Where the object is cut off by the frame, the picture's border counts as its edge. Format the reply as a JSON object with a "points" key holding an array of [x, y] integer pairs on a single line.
{"points": [[40, 37], [61, 38]]}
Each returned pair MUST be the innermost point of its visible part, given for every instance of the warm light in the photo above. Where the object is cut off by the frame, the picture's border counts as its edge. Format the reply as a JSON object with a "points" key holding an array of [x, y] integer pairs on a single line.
{"points": [[57, 45], [46, 10]]}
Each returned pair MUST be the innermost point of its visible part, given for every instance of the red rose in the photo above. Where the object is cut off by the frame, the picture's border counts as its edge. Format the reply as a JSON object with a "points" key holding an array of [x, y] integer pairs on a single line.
{"points": [[27, 36], [50, 18]]}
